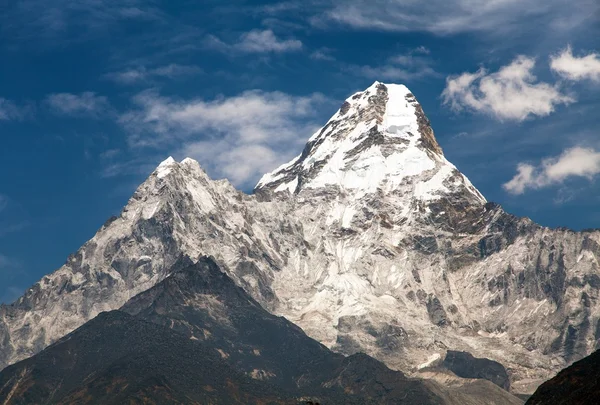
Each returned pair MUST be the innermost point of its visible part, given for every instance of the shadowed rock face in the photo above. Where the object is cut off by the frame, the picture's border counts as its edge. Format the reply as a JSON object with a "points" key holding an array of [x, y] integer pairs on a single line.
{"points": [[464, 365], [116, 358], [197, 338], [577, 384]]}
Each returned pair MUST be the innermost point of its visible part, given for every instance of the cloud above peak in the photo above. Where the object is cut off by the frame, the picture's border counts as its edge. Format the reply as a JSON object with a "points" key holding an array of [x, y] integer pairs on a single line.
{"points": [[412, 65], [86, 104], [574, 162], [238, 137], [256, 41], [576, 68], [511, 93]]}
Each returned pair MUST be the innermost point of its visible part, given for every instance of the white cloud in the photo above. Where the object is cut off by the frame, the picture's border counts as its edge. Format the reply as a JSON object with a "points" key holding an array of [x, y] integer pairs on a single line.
{"points": [[84, 104], [576, 68], [422, 49], [110, 153], [256, 41], [11, 111], [413, 65], [266, 41], [139, 74], [512, 93], [573, 162], [322, 54], [239, 137], [445, 17], [8, 109]]}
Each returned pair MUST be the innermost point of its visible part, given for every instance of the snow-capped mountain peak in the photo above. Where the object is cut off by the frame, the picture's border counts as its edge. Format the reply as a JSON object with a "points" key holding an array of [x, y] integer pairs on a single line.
{"points": [[370, 240], [379, 139], [165, 167]]}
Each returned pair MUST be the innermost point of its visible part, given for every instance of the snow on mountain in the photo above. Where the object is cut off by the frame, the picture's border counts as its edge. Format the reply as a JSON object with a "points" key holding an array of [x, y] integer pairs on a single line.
{"points": [[377, 140], [370, 240]]}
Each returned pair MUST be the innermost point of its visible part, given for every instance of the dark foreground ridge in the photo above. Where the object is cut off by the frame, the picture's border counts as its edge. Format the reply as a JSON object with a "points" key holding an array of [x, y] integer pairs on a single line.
{"points": [[197, 338], [578, 384]]}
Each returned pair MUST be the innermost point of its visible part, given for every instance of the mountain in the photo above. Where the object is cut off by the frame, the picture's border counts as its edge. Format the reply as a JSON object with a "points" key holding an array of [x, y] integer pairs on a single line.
{"points": [[116, 359], [577, 384], [370, 241], [196, 337]]}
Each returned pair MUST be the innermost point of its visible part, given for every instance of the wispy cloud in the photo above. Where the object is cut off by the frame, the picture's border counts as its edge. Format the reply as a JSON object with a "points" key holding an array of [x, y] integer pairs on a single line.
{"points": [[573, 162], [256, 41], [11, 111], [511, 93], [136, 166], [576, 68], [110, 153], [322, 54], [62, 18], [444, 17], [412, 65], [142, 74], [86, 104], [14, 227], [238, 137]]}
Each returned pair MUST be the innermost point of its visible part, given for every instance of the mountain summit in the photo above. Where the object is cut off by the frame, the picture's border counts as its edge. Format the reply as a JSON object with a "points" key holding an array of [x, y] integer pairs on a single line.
{"points": [[378, 139], [370, 241]]}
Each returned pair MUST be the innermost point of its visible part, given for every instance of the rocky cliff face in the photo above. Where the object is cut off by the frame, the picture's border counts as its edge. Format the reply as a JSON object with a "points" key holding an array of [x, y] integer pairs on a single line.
{"points": [[197, 338], [370, 240]]}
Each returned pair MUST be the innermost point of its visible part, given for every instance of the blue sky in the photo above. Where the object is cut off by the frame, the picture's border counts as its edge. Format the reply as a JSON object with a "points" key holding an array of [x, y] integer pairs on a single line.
{"points": [[95, 93]]}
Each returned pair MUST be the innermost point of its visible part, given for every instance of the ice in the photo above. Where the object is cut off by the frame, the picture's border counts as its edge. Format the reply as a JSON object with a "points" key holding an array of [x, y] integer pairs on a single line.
{"points": [[291, 186], [165, 167], [430, 361], [373, 168]]}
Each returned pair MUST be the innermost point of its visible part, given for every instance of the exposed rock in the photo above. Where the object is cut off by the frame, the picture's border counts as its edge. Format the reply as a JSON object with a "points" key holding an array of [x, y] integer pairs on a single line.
{"points": [[436, 311], [196, 337], [464, 365], [370, 221]]}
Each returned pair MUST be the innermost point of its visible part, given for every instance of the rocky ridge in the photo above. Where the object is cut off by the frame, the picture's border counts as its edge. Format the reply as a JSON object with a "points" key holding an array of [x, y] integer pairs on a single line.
{"points": [[197, 338], [577, 384]]}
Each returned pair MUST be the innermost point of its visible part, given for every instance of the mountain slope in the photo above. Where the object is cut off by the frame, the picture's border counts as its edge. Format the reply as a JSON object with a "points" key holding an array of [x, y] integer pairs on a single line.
{"points": [[243, 355], [116, 358], [370, 240], [410, 259], [132, 252], [203, 304], [577, 384]]}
